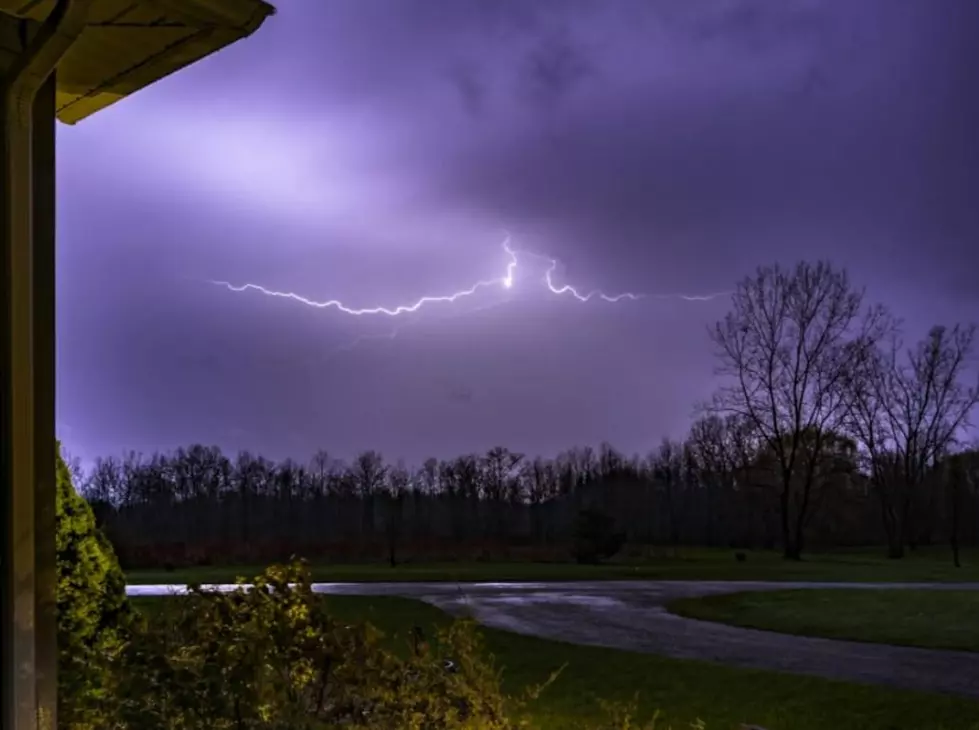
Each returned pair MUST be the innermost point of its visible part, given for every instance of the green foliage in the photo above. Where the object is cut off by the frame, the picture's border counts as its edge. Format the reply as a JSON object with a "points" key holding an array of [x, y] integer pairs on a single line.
{"points": [[269, 657], [595, 538], [93, 614], [622, 716], [272, 657]]}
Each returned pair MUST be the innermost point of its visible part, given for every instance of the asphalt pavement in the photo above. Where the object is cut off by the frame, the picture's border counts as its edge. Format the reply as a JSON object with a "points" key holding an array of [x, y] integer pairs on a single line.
{"points": [[631, 615]]}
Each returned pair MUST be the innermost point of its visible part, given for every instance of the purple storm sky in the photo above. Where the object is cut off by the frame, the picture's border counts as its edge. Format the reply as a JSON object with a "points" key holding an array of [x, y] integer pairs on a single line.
{"points": [[375, 150]]}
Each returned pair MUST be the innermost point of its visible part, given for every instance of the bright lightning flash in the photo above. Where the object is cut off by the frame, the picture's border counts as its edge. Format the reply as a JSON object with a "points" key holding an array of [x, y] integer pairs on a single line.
{"points": [[598, 294], [506, 281]]}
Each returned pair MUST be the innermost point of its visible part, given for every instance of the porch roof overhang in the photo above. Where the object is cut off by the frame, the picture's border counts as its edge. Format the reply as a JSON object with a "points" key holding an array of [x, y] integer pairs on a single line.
{"points": [[129, 44]]}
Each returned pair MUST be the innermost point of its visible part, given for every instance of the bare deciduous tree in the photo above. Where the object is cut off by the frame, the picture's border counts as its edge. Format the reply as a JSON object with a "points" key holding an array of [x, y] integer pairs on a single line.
{"points": [[322, 468], [786, 348], [709, 444], [666, 468], [368, 473], [821, 419], [906, 409], [398, 486], [105, 483]]}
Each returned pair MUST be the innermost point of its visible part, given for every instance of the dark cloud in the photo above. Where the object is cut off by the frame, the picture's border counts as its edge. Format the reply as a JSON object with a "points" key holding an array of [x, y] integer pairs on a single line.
{"points": [[375, 152], [753, 25], [471, 86], [555, 66]]}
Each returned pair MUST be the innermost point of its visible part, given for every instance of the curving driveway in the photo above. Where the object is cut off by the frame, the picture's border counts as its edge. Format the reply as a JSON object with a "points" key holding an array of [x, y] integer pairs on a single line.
{"points": [[631, 615]]}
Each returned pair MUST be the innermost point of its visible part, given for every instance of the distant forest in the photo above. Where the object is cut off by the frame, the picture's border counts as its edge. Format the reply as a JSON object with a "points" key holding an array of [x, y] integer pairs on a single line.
{"points": [[827, 430]]}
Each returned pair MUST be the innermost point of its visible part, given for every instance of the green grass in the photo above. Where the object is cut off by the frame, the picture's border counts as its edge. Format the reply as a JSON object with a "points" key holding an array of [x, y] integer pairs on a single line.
{"points": [[932, 619], [868, 565], [723, 697]]}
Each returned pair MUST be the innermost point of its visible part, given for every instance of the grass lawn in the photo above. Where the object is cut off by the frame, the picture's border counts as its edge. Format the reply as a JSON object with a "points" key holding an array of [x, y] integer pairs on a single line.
{"points": [[868, 565], [933, 619], [682, 690]]}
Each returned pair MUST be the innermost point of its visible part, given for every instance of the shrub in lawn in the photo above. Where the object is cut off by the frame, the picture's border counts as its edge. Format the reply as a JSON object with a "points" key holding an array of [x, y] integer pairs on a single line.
{"points": [[93, 614], [595, 538], [272, 657]]}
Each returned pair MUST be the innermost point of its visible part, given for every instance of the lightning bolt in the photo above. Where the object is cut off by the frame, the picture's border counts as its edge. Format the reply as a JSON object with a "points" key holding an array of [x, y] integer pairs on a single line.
{"points": [[396, 332], [505, 281], [611, 298], [595, 293]]}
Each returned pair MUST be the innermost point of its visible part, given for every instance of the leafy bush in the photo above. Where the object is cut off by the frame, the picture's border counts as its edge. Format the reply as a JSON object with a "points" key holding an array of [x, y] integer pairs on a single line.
{"points": [[595, 538], [272, 657], [94, 616]]}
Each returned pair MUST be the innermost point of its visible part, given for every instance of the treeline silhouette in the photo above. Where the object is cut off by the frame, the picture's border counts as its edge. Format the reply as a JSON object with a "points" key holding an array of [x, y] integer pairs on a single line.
{"points": [[197, 506], [826, 430]]}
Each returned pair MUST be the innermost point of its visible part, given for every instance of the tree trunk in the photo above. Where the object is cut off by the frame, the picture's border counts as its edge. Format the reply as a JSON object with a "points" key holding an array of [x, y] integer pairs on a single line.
{"points": [[800, 520], [892, 528], [905, 526], [898, 538], [671, 513], [791, 548], [800, 540], [954, 512]]}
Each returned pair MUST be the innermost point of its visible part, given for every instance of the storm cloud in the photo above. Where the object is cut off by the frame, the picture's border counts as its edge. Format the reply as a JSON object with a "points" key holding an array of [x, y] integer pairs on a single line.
{"points": [[375, 151]]}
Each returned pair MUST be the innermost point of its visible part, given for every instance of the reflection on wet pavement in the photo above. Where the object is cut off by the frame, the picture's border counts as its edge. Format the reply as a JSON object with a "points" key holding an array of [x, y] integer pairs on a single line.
{"points": [[631, 615]]}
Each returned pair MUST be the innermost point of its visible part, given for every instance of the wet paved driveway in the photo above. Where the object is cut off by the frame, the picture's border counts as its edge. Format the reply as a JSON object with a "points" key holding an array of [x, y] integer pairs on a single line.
{"points": [[631, 615]]}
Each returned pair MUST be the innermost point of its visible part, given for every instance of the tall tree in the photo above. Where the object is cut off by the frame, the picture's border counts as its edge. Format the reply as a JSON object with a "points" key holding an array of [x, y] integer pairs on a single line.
{"points": [[500, 485], [906, 409], [785, 350], [398, 486], [369, 473], [666, 468], [724, 451], [105, 484]]}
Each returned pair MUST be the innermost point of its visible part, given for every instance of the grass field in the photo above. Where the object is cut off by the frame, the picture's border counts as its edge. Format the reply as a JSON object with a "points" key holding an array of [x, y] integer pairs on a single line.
{"points": [[868, 565], [682, 690], [932, 619]]}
